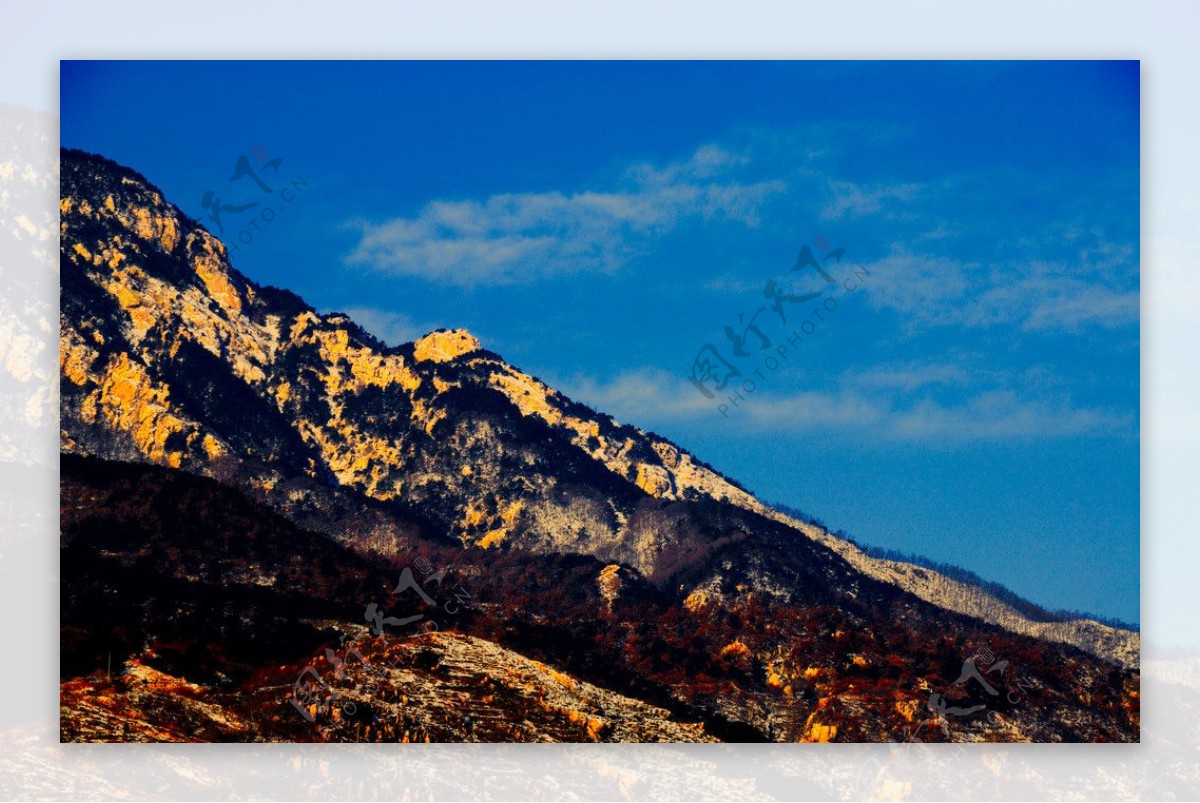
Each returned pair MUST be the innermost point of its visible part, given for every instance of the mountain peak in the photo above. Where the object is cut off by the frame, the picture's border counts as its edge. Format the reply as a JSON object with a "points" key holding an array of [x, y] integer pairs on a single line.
{"points": [[444, 345]]}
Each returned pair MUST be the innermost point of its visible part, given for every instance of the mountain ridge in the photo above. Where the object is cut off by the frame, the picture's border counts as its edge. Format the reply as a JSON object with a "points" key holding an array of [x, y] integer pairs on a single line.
{"points": [[171, 356]]}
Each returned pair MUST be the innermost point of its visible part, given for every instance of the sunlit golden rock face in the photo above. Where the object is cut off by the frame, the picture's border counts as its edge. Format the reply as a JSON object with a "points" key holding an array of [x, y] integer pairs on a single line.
{"points": [[443, 346], [219, 287], [609, 583], [654, 480], [817, 732], [75, 357], [131, 401]]}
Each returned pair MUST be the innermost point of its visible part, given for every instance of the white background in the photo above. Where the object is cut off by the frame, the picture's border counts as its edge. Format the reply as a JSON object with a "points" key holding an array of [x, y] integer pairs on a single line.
{"points": [[1162, 34]]}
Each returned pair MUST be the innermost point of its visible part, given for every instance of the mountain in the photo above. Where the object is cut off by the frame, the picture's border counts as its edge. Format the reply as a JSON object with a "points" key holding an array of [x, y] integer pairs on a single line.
{"points": [[624, 565]]}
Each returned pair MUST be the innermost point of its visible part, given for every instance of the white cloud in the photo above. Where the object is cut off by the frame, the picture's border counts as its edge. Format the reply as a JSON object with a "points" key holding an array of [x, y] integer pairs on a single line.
{"points": [[1002, 414], [516, 237], [1050, 302], [854, 200], [925, 288], [907, 377], [870, 405], [1035, 296], [636, 396], [734, 285], [810, 411], [1071, 305]]}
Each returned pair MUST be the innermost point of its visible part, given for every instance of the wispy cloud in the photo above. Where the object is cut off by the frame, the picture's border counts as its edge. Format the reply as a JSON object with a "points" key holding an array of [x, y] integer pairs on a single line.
{"points": [[908, 377], [630, 396], [1002, 415], [878, 404], [515, 237], [1069, 304], [856, 200], [1035, 296]]}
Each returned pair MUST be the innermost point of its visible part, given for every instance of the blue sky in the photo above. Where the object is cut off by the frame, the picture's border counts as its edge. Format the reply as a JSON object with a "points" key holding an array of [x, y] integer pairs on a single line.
{"points": [[974, 399]]}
